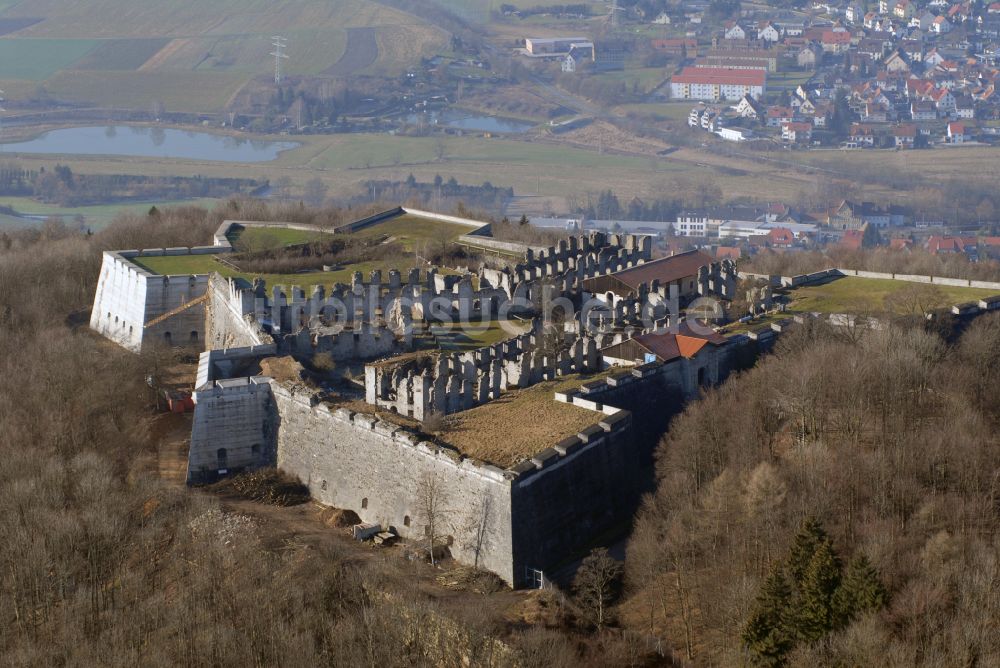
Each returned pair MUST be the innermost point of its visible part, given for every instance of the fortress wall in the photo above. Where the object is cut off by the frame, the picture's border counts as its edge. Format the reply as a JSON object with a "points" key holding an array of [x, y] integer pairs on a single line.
{"points": [[233, 428], [376, 469], [567, 494], [128, 297], [164, 293], [226, 323], [119, 303]]}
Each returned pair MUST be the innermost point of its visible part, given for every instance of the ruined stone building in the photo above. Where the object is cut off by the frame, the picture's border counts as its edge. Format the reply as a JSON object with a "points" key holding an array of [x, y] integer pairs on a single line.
{"points": [[518, 512]]}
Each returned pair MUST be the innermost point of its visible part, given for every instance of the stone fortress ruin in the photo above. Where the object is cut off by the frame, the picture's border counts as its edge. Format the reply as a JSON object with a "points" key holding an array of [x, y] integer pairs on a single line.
{"points": [[567, 463]]}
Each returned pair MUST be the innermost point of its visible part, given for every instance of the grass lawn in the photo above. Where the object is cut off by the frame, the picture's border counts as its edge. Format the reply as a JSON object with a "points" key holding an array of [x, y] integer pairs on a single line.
{"points": [[477, 336], [265, 236], [851, 294], [180, 265], [412, 231]]}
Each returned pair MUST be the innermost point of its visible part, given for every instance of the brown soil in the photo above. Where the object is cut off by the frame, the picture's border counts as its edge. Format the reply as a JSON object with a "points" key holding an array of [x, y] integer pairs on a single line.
{"points": [[602, 134]]}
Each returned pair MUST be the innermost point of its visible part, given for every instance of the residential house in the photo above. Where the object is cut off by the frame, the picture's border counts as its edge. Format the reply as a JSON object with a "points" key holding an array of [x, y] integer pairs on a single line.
{"points": [[965, 107], [807, 57], [945, 245], [956, 132], [896, 63], [940, 25], [767, 32], [943, 100], [578, 56], [905, 135], [922, 110], [662, 19], [865, 136], [733, 30], [933, 58], [904, 9], [833, 41], [853, 13], [750, 108], [780, 237], [778, 116], [796, 132]]}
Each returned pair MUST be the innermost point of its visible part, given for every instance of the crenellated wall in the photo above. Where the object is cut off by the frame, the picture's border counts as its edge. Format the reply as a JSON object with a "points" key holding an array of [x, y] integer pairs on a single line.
{"points": [[377, 469]]}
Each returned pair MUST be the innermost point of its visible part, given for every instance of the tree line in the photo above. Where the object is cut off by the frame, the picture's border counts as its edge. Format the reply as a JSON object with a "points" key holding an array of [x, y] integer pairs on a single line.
{"points": [[874, 448]]}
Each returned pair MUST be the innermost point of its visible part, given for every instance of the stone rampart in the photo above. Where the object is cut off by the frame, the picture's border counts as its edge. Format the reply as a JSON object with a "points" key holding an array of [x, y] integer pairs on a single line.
{"points": [[234, 428]]}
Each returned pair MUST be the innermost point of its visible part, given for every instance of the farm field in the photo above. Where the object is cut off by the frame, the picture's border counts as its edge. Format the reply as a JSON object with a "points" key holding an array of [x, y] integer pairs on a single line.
{"points": [[39, 59], [191, 55]]}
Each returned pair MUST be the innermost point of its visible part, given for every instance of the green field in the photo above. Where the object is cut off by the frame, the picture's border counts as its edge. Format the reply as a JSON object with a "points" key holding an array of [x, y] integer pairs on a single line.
{"points": [[39, 59], [852, 294], [120, 54], [645, 79], [357, 151]]}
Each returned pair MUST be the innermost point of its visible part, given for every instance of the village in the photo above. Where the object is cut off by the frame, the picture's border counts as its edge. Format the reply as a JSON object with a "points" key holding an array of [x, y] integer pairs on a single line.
{"points": [[898, 74]]}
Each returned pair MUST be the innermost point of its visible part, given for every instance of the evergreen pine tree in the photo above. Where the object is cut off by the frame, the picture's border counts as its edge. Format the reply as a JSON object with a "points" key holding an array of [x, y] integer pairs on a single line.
{"points": [[861, 590], [815, 616], [767, 635], [809, 537]]}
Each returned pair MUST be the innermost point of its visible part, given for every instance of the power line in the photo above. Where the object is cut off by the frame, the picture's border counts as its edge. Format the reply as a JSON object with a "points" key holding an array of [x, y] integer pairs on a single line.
{"points": [[279, 44]]}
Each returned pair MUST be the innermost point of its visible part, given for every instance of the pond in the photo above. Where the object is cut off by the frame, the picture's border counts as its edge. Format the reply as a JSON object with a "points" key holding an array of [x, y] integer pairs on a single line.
{"points": [[149, 142], [462, 120]]}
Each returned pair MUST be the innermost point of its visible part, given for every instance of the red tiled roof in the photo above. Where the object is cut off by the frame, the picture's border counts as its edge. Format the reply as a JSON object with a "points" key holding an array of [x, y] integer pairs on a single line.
{"points": [[685, 343], [720, 76], [835, 37], [665, 270]]}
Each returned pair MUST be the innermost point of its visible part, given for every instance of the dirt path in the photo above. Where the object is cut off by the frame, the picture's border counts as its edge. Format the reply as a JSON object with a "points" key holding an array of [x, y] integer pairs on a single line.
{"points": [[361, 52]]}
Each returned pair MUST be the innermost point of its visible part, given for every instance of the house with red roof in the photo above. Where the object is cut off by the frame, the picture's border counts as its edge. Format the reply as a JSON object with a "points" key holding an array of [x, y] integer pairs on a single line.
{"points": [[956, 132], [796, 132], [781, 237], [835, 41], [942, 245], [695, 354]]}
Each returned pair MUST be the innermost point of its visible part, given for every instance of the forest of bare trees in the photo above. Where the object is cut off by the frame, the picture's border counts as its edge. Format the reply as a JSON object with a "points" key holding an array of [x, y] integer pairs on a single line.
{"points": [[886, 443]]}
